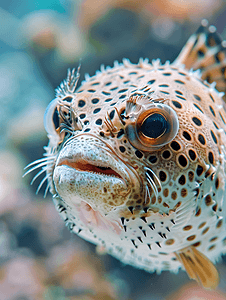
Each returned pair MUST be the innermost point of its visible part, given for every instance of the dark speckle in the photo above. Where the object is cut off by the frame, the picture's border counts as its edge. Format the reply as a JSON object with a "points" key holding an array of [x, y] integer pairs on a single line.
{"points": [[81, 103], [96, 110]]}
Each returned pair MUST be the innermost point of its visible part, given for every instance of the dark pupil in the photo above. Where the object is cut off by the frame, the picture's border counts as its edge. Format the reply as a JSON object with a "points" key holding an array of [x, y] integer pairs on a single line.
{"points": [[56, 119], [154, 126]]}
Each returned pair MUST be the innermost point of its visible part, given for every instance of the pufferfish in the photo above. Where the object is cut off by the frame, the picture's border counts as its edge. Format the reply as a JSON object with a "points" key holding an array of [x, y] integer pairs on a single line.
{"points": [[136, 159]]}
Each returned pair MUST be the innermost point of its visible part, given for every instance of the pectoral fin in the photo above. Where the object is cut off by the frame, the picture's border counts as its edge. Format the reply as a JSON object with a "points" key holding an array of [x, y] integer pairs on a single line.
{"points": [[198, 267]]}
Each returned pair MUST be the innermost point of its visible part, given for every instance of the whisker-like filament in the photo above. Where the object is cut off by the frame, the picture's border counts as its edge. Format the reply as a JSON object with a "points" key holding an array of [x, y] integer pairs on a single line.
{"points": [[38, 174], [147, 192], [38, 161], [156, 177], [153, 187], [42, 182], [46, 189], [36, 167], [152, 184], [44, 163]]}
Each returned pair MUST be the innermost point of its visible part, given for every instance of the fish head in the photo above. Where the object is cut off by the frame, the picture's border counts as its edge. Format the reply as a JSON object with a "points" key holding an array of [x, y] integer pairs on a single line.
{"points": [[129, 144]]}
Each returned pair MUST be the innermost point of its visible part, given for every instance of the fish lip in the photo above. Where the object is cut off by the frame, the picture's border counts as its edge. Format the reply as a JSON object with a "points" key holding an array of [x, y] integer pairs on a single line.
{"points": [[86, 165], [106, 158]]}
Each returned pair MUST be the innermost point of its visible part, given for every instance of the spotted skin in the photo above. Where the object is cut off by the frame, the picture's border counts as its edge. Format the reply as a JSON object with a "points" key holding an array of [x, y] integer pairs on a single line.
{"points": [[153, 198]]}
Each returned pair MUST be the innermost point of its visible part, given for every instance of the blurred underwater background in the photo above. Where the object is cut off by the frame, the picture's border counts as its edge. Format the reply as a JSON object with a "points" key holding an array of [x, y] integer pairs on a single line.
{"points": [[39, 41]]}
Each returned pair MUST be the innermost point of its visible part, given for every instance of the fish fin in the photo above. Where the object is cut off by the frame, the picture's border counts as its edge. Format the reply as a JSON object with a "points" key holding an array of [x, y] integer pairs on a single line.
{"points": [[198, 267], [205, 51]]}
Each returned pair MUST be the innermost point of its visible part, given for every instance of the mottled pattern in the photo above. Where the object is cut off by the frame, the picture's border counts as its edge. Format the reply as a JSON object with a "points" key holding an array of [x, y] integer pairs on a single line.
{"points": [[136, 159]]}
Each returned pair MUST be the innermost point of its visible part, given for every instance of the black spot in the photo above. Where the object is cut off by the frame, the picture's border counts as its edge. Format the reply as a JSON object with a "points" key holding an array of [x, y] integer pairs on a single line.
{"points": [[91, 91], [102, 133], [201, 53], [99, 122], [166, 154], [108, 83], [106, 93], [175, 145], [210, 156], [211, 97], [197, 121], [164, 92], [120, 133], [162, 176], [81, 103], [87, 130], [187, 135], [215, 125], [152, 159], [151, 81], [201, 139], [182, 160], [199, 170], [181, 97], [179, 81], [122, 97], [196, 106], [178, 92], [114, 88], [108, 100], [217, 183], [197, 97], [95, 83], [132, 73], [68, 99], [183, 74], [122, 149], [222, 118], [166, 74], [163, 85], [86, 122], [111, 115], [126, 81], [96, 110], [123, 91], [182, 180], [213, 136], [212, 111], [112, 104], [82, 116], [138, 154], [154, 126], [177, 104], [192, 154], [95, 100]]}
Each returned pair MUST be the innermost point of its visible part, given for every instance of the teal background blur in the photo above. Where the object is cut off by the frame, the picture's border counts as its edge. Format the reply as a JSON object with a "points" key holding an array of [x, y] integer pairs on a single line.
{"points": [[39, 41]]}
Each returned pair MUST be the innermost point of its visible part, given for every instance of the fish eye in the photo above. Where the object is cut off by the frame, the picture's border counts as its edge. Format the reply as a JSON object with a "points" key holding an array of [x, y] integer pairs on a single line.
{"points": [[56, 120], [52, 121], [153, 127]]}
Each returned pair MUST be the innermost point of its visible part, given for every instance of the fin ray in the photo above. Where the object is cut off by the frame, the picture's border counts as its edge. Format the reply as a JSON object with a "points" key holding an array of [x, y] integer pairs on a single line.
{"points": [[198, 267], [206, 51]]}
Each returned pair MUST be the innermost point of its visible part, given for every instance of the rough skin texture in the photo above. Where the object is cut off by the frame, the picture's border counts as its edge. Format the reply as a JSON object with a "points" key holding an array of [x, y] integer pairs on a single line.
{"points": [[136, 159]]}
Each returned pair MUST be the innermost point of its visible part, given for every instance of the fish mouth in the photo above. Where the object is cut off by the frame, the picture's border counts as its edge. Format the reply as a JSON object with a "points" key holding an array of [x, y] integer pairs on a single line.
{"points": [[82, 165], [87, 169]]}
